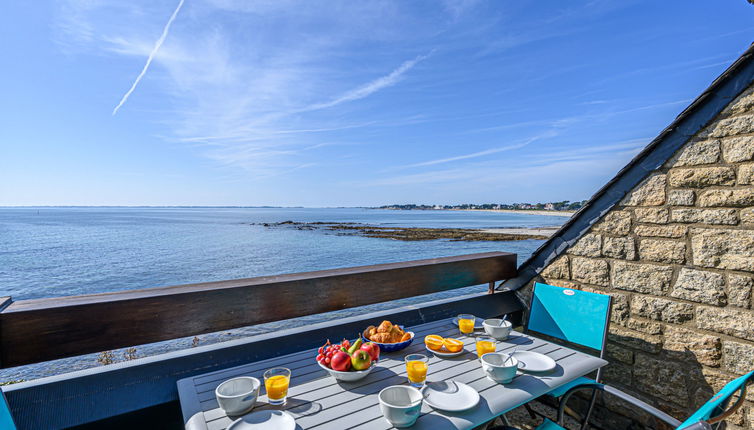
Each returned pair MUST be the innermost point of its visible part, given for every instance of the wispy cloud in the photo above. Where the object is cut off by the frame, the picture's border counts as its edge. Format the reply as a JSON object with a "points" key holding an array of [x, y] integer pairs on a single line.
{"points": [[372, 87], [156, 48], [483, 153]]}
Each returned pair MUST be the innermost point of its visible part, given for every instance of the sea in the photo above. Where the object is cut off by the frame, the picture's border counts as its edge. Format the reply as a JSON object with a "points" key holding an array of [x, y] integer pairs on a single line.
{"points": [[63, 251]]}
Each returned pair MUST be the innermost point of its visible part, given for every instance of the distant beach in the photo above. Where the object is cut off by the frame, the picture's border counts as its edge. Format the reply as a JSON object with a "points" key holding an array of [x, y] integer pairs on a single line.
{"points": [[522, 211]]}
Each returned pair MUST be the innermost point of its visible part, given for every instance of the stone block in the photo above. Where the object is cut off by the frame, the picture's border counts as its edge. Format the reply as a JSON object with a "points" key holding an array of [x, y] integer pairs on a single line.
{"points": [[746, 174], [616, 223], [620, 353], [661, 309], [742, 124], [620, 309], [641, 278], [634, 339], [737, 357], [705, 216], [617, 373], [742, 104], [558, 269], [699, 177], [651, 192], [619, 247], [588, 245], [681, 198], [683, 344], [700, 286], [651, 215], [670, 230], [590, 271], [697, 152], [740, 290], [723, 248], [738, 149], [644, 326], [731, 198], [747, 215], [661, 378], [730, 321], [662, 251]]}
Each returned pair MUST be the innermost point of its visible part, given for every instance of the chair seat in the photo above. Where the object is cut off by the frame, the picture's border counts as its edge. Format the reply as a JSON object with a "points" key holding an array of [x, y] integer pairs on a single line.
{"points": [[565, 387], [549, 425]]}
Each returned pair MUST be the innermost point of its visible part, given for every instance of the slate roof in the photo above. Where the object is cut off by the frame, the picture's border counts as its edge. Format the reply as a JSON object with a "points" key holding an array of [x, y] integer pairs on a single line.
{"points": [[703, 110]]}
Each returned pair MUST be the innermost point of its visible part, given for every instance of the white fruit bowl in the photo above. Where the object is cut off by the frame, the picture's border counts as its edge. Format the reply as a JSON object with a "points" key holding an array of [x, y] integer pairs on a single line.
{"points": [[351, 375]]}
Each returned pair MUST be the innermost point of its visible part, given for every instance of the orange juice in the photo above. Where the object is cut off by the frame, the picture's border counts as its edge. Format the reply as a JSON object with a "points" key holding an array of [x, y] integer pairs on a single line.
{"points": [[277, 387], [483, 346], [466, 323], [417, 371]]}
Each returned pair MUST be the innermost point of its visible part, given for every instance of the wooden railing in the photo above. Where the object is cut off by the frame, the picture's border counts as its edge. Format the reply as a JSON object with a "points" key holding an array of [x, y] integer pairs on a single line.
{"points": [[39, 330]]}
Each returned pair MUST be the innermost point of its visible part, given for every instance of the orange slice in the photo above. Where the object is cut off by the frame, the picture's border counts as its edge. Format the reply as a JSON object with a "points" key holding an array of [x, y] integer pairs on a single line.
{"points": [[453, 345], [434, 342]]}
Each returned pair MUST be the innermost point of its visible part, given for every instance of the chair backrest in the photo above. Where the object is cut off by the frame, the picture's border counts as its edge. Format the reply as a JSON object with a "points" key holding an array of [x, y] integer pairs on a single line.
{"points": [[6, 421], [715, 406], [579, 317]]}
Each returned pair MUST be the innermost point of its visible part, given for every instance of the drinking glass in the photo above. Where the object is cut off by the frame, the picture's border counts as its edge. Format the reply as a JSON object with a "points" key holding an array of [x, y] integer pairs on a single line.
{"points": [[276, 382], [485, 344], [466, 323], [416, 369]]}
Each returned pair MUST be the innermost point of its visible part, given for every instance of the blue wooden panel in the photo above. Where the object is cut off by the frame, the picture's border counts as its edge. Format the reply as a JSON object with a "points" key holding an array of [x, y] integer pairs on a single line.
{"points": [[714, 406], [6, 421], [571, 315]]}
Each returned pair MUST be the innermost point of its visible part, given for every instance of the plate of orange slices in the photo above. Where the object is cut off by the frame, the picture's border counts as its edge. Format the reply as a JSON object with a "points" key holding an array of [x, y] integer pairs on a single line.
{"points": [[443, 347]]}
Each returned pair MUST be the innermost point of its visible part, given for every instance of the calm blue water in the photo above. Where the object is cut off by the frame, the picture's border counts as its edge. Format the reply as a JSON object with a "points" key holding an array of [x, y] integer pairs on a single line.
{"points": [[49, 252]]}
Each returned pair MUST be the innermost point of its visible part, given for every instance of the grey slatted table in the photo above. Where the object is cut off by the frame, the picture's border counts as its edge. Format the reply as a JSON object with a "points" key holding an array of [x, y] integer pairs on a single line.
{"points": [[317, 401]]}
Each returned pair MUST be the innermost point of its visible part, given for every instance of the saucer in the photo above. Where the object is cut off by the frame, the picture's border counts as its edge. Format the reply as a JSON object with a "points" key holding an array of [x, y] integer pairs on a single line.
{"points": [[529, 361], [450, 396], [265, 420]]}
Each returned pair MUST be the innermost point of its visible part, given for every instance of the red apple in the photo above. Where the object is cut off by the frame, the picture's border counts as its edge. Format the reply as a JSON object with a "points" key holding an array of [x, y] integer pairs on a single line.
{"points": [[361, 360], [340, 361], [373, 349]]}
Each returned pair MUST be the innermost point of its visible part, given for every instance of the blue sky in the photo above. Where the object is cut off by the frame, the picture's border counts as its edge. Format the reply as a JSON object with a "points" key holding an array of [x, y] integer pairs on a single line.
{"points": [[344, 103]]}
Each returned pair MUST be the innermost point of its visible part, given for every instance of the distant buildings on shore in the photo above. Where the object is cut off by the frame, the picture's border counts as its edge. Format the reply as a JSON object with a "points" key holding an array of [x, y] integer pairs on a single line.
{"points": [[564, 205]]}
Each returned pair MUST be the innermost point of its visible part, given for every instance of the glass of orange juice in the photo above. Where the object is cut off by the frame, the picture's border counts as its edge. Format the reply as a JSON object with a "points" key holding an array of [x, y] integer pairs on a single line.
{"points": [[276, 382], [416, 369], [485, 344], [466, 323]]}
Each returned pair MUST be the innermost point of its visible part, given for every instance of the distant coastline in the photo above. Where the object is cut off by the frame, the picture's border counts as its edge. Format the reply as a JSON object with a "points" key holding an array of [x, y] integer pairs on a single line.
{"points": [[509, 211]]}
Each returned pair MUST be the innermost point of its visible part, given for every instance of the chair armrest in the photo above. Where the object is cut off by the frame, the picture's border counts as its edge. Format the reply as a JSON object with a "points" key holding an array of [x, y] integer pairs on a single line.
{"points": [[621, 395]]}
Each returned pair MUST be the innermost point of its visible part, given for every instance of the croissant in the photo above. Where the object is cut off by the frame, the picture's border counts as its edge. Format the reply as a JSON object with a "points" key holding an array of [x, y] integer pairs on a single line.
{"points": [[405, 337], [385, 327], [370, 331], [381, 338]]}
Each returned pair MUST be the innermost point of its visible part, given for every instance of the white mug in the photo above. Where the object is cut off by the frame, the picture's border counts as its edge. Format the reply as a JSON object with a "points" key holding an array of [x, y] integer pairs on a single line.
{"points": [[500, 367], [497, 328], [401, 404], [238, 395]]}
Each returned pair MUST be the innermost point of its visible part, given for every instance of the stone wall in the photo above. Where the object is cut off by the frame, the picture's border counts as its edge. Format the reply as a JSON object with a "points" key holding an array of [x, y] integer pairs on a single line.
{"points": [[677, 256]]}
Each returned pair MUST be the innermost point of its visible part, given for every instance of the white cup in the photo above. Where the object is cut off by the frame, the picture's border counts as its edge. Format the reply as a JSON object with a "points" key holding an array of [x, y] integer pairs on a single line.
{"points": [[497, 328], [238, 395], [499, 367], [401, 404]]}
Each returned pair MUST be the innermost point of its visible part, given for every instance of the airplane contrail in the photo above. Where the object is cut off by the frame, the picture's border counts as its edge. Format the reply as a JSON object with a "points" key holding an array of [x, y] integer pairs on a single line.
{"points": [[156, 48]]}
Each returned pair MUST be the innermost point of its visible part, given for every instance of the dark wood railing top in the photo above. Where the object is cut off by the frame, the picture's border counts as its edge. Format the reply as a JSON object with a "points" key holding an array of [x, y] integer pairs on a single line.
{"points": [[45, 329]]}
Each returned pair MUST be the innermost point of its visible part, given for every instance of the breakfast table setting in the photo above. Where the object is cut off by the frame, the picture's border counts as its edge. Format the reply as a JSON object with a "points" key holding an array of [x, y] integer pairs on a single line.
{"points": [[453, 373]]}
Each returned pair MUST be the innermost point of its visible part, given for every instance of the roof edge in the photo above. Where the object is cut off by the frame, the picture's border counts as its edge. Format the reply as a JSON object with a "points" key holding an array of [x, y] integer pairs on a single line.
{"points": [[705, 108]]}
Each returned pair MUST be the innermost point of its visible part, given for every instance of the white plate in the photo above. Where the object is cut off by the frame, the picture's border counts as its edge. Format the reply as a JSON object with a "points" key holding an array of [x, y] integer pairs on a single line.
{"points": [[450, 396], [477, 323], [264, 420], [443, 354], [534, 362]]}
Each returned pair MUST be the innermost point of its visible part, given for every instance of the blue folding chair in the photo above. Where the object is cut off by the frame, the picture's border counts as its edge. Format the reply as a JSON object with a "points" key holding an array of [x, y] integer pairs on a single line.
{"points": [[574, 316], [6, 421], [713, 412]]}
